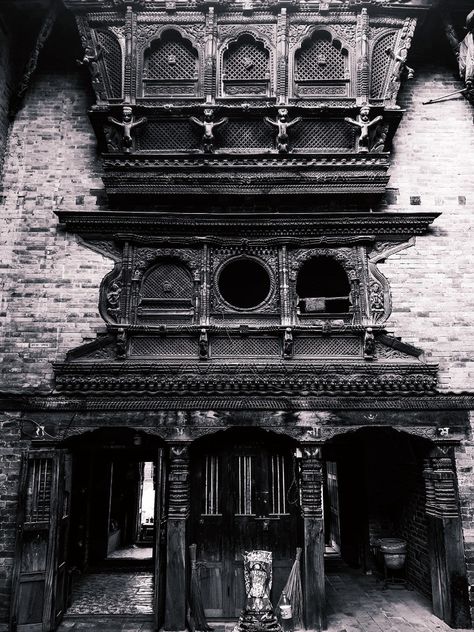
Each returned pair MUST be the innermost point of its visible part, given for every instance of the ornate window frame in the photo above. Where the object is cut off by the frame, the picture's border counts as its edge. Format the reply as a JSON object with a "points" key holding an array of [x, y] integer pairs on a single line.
{"points": [[268, 45], [350, 71], [146, 43]]}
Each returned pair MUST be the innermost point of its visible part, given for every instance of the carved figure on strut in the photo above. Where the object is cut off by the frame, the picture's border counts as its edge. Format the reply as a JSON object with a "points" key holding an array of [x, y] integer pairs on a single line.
{"points": [[364, 123], [288, 343], [369, 344], [282, 124], [203, 345], [128, 123], [208, 126]]}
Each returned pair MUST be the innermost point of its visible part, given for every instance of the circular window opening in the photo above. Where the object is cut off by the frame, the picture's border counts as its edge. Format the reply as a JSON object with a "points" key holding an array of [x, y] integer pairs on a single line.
{"points": [[244, 283]]}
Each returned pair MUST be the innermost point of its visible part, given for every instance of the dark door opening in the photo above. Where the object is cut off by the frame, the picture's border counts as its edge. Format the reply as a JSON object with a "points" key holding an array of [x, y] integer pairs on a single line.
{"points": [[116, 504], [244, 498], [374, 488]]}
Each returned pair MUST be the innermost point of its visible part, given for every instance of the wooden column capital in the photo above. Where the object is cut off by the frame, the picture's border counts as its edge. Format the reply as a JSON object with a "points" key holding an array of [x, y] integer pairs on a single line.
{"points": [[178, 479], [311, 480]]}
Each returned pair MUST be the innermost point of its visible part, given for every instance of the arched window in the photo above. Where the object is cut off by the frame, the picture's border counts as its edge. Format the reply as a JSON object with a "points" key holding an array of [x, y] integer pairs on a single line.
{"points": [[322, 286], [171, 67], [167, 290], [246, 68], [321, 67]]}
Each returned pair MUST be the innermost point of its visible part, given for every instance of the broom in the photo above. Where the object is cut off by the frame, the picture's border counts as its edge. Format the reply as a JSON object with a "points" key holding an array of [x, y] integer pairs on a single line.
{"points": [[294, 591], [195, 597]]}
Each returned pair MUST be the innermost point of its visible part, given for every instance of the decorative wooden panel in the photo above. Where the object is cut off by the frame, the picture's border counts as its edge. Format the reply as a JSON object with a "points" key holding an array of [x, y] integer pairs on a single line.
{"points": [[246, 68], [171, 67], [111, 55], [381, 63], [321, 67]]}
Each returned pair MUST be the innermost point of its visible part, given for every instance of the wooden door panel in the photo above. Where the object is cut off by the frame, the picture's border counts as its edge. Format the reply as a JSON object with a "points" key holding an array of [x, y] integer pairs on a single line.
{"points": [[35, 574], [252, 511]]}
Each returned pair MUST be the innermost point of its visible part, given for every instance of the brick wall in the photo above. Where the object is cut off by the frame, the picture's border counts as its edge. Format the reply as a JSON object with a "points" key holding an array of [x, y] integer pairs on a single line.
{"points": [[50, 290], [49, 293], [433, 283], [413, 528], [5, 83]]}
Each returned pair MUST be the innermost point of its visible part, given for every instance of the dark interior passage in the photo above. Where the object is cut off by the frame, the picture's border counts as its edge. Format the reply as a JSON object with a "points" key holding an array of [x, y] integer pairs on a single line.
{"points": [[374, 489]]}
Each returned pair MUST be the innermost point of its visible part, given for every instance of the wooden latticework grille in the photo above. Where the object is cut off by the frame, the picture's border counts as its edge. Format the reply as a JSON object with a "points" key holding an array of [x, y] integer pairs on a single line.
{"points": [[313, 134], [320, 59], [380, 65], [165, 347], [171, 58], [246, 59], [112, 56], [245, 134], [168, 281], [327, 347], [38, 498], [166, 134], [249, 346]]}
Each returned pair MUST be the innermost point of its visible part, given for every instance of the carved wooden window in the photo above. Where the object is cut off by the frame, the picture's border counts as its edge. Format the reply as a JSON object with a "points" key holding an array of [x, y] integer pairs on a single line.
{"points": [[322, 286], [211, 476], [246, 68], [167, 291], [110, 52], [171, 67], [321, 67], [380, 66]]}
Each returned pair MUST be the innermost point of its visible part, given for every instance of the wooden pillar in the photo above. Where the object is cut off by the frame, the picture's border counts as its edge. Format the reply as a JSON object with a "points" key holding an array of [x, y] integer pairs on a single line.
{"points": [[311, 507], [176, 554], [448, 566]]}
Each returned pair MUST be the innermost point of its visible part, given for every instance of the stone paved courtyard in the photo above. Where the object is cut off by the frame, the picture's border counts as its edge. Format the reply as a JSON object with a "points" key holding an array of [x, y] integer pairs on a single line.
{"points": [[356, 603]]}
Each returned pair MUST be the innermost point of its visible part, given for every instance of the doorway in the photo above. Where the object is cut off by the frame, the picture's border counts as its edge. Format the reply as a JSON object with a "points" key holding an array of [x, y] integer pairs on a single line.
{"points": [[117, 494], [245, 497]]}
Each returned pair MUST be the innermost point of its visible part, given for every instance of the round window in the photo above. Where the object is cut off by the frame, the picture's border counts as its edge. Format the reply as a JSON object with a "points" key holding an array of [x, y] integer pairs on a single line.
{"points": [[244, 283]]}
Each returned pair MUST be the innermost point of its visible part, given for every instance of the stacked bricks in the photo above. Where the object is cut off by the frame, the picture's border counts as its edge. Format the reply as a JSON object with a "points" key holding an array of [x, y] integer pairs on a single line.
{"points": [[50, 287], [5, 83], [433, 283]]}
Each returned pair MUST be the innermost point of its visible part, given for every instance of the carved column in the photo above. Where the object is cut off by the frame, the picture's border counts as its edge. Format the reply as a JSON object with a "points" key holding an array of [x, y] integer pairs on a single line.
{"points": [[282, 55], [448, 566], [313, 525], [127, 79], [362, 52], [284, 287], [210, 55], [176, 554]]}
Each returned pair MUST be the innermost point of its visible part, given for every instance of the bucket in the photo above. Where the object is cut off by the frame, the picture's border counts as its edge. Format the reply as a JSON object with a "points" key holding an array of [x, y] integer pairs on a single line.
{"points": [[394, 551]]}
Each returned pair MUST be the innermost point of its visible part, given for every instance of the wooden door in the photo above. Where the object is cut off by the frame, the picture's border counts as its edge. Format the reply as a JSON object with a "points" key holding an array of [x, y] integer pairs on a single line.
{"points": [[40, 573], [241, 502]]}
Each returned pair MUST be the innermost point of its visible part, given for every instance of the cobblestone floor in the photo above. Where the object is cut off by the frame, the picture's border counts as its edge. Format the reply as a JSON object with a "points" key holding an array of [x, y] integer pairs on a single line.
{"points": [[116, 593], [355, 603]]}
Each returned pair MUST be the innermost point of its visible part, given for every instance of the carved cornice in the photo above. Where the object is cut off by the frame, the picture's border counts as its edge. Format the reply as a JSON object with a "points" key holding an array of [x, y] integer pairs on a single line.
{"points": [[315, 378], [321, 225], [433, 403]]}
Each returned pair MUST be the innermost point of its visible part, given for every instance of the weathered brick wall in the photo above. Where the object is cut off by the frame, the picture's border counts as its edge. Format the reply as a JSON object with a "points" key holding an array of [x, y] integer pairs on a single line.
{"points": [[51, 282], [413, 528], [49, 293], [5, 83], [433, 283]]}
